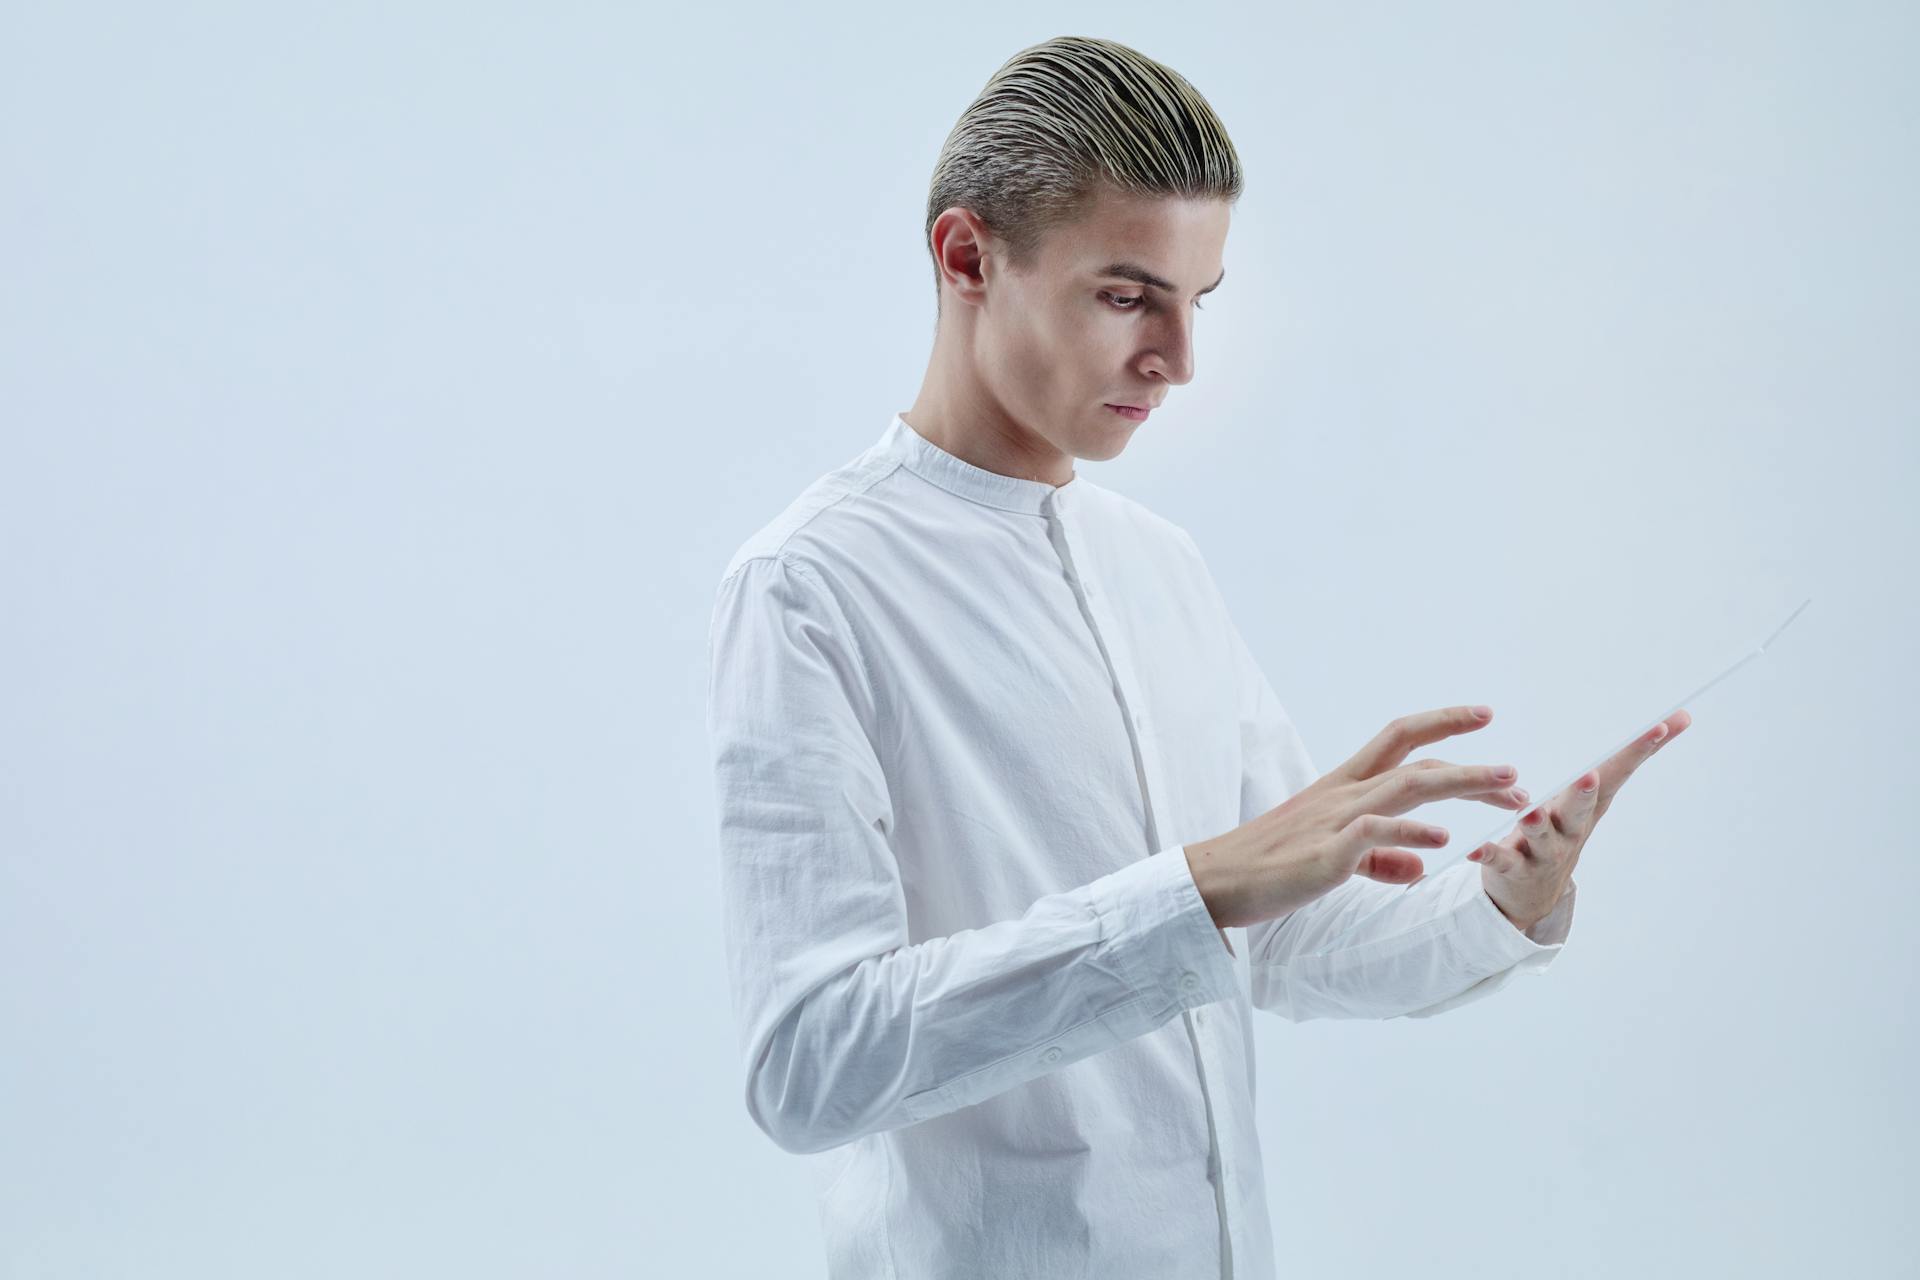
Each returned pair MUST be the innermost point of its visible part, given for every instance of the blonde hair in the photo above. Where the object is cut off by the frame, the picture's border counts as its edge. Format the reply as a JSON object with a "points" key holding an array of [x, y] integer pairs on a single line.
{"points": [[1064, 116]]}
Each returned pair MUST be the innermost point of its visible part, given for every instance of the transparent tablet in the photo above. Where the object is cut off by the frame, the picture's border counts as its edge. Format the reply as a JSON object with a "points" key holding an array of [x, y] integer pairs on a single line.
{"points": [[1507, 824]]}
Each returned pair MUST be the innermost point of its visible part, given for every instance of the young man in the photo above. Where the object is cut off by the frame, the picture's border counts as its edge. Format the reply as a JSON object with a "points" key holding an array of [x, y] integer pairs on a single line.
{"points": [[1015, 833]]}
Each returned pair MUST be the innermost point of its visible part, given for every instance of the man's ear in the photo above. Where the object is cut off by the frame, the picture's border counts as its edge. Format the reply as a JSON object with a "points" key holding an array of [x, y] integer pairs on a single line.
{"points": [[965, 250]]}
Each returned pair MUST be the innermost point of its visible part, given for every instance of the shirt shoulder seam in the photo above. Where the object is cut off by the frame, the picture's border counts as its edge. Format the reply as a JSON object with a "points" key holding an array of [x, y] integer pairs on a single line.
{"points": [[855, 488], [797, 566]]}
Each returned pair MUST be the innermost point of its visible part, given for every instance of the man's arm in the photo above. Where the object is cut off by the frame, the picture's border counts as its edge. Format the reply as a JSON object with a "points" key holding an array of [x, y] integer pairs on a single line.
{"points": [[1443, 942], [846, 1027]]}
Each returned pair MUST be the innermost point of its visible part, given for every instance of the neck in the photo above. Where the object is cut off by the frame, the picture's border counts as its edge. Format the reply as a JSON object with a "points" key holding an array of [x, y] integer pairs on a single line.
{"points": [[958, 415]]}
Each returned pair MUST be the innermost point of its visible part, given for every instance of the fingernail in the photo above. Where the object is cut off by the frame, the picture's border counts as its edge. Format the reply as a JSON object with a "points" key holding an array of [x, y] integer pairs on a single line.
{"points": [[1521, 794], [1589, 786], [1504, 771], [1660, 733], [1482, 713]]}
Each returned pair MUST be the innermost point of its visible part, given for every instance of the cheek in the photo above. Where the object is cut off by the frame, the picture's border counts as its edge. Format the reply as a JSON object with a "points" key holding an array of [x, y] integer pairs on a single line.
{"points": [[1030, 358], [1085, 346], [1058, 353]]}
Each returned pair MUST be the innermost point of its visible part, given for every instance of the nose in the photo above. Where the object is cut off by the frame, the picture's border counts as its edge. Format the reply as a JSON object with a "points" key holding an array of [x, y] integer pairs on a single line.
{"points": [[1171, 356]]}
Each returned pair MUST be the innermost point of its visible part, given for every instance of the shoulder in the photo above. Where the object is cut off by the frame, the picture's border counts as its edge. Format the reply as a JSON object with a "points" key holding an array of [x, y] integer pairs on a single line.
{"points": [[822, 515]]}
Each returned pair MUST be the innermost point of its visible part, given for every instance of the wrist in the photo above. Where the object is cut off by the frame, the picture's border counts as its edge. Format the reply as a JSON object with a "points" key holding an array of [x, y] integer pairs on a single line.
{"points": [[1202, 864], [1521, 922]]}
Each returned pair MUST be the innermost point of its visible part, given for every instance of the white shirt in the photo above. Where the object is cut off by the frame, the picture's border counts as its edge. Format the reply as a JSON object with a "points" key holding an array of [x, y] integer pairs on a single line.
{"points": [[963, 724]]}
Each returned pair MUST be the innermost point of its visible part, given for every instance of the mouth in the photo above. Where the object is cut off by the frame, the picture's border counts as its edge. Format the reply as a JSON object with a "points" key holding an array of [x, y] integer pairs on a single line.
{"points": [[1132, 413]]}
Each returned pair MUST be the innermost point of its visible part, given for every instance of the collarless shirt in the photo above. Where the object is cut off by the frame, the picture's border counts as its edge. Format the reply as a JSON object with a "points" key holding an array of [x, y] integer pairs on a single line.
{"points": [[963, 725]]}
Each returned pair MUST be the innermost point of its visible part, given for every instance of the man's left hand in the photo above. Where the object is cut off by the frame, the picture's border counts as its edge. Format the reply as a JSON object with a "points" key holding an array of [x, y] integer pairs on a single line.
{"points": [[1526, 872]]}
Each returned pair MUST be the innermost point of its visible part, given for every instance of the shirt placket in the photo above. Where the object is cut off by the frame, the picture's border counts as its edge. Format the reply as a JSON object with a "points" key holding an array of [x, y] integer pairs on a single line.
{"points": [[1063, 529]]}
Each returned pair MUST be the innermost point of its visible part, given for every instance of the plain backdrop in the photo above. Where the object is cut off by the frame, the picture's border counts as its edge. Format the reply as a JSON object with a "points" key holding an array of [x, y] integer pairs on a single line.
{"points": [[383, 389]]}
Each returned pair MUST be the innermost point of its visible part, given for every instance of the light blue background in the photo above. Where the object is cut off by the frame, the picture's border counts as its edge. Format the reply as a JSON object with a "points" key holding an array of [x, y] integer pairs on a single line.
{"points": [[385, 388]]}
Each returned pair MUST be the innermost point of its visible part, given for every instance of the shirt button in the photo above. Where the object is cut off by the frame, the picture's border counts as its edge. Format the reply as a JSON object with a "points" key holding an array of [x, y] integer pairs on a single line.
{"points": [[1051, 1055], [1200, 1017], [1188, 981]]}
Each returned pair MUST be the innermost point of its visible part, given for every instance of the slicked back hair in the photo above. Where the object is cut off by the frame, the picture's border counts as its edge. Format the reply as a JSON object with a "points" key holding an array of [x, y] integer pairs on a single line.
{"points": [[1063, 117]]}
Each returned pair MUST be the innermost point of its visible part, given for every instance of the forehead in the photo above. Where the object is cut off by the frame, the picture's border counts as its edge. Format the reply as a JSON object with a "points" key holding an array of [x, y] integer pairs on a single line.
{"points": [[1170, 235]]}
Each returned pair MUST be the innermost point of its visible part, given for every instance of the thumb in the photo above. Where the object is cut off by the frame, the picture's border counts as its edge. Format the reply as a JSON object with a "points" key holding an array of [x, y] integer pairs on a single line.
{"points": [[1393, 866]]}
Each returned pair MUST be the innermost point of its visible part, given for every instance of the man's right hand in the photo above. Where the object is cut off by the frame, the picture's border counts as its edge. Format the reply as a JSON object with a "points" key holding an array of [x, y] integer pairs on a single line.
{"points": [[1347, 823]]}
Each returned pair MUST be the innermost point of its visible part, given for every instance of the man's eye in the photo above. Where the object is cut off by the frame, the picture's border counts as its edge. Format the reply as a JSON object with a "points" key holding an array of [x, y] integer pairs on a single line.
{"points": [[1136, 299]]}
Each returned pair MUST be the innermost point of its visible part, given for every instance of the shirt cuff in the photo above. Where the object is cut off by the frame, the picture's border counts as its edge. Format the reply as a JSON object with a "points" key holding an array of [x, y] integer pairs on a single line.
{"points": [[1545, 936], [1157, 926], [1486, 931]]}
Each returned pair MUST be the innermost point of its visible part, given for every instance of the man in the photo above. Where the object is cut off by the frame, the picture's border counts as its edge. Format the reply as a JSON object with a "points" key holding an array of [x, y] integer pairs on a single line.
{"points": [[1015, 833]]}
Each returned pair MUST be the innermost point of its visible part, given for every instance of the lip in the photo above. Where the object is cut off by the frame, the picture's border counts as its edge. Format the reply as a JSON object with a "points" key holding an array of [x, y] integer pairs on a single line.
{"points": [[1132, 413]]}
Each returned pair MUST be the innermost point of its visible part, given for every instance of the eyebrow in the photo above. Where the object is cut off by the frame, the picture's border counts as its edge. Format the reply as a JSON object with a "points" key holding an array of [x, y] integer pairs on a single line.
{"points": [[1140, 275]]}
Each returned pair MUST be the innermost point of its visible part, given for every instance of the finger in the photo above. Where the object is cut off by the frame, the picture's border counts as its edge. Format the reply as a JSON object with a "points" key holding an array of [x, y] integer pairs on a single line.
{"points": [[1406, 789], [1620, 766], [1373, 829], [1511, 798], [1504, 797], [1501, 855], [1401, 736], [1571, 816], [1533, 826], [1394, 866]]}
